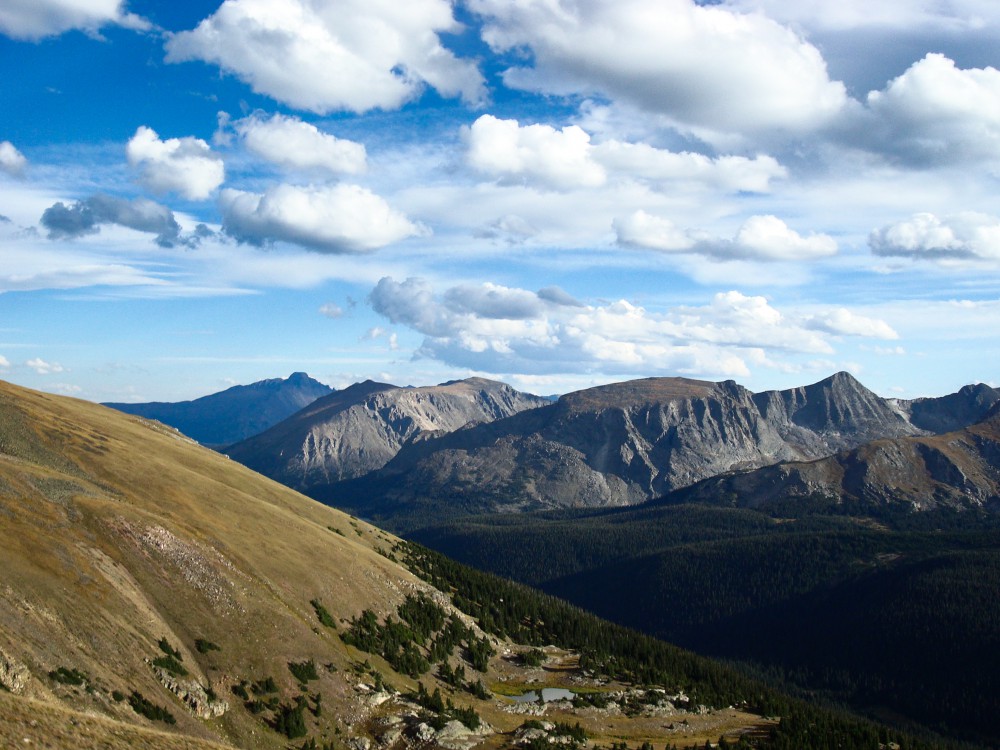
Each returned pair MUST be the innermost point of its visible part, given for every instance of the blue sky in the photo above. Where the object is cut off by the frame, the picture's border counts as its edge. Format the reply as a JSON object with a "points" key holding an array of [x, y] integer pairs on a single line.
{"points": [[554, 193]]}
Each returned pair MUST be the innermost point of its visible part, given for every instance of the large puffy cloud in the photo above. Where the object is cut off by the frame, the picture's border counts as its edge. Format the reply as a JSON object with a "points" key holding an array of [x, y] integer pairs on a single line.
{"points": [[186, 166], [291, 143], [12, 161], [962, 236], [765, 238], [323, 55], [557, 158], [85, 217], [935, 113], [35, 19], [333, 218], [704, 66], [566, 158], [500, 329]]}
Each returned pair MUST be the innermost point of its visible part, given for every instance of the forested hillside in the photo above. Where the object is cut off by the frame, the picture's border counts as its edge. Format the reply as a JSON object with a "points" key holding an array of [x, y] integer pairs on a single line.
{"points": [[896, 616]]}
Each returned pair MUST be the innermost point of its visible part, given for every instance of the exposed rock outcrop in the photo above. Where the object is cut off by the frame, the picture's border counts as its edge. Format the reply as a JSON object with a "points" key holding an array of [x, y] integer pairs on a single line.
{"points": [[14, 675], [193, 695]]}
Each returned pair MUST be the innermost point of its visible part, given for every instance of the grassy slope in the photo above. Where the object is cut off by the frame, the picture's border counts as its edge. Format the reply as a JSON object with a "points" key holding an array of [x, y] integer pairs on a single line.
{"points": [[118, 532]]}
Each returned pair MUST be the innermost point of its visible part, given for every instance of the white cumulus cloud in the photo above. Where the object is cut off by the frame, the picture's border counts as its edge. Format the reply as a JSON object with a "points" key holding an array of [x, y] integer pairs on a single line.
{"points": [[963, 236], [769, 238], [42, 367], [560, 159], [329, 218], [491, 328], [842, 322], [641, 229], [729, 173], [329, 55], [704, 66], [36, 19], [765, 238], [564, 159], [12, 161], [291, 143], [186, 166], [936, 113]]}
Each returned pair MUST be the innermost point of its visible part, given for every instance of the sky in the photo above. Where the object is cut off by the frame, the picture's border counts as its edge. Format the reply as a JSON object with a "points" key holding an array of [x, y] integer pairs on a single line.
{"points": [[552, 193]]}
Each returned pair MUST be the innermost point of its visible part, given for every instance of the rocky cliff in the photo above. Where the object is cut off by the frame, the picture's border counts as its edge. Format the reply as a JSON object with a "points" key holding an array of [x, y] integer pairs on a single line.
{"points": [[957, 469], [358, 430]]}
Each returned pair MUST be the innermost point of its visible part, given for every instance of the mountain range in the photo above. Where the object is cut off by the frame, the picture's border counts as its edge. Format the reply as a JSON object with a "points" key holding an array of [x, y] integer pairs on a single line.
{"points": [[352, 432], [235, 413], [628, 443]]}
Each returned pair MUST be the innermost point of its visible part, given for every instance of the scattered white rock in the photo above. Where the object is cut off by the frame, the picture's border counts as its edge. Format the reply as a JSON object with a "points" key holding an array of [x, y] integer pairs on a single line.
{"points": [[14, 675]]}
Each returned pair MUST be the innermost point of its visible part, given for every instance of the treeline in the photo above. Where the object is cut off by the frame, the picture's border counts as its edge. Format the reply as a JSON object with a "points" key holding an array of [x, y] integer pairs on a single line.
{"points": [[526, 616]]}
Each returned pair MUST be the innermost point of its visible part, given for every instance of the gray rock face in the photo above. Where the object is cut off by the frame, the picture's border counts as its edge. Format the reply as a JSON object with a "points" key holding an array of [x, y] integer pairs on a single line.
{"points": [[626, 443], [969, 405], [959, 469], [193, 695], [361, 428], [14, 675]]}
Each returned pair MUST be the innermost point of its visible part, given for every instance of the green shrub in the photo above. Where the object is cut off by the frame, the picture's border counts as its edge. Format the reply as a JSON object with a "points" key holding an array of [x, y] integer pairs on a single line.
{"points": [[170, 664], [150, 710], [478, 689], [117, 696], [169, 650], [290, 721], [303, 671], [204, 646], [533, 658], [265, 686], [325, 618], [68, 676]]}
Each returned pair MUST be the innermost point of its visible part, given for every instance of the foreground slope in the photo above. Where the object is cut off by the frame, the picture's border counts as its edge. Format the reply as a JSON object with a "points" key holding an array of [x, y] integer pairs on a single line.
{"points": [[118, 532], [361, 428], [235, 413]]}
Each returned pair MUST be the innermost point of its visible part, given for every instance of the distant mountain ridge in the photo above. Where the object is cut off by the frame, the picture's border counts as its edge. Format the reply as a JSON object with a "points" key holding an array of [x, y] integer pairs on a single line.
{"points": [[958, 469], [359, 429], [627, 443], [235, 413]]}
